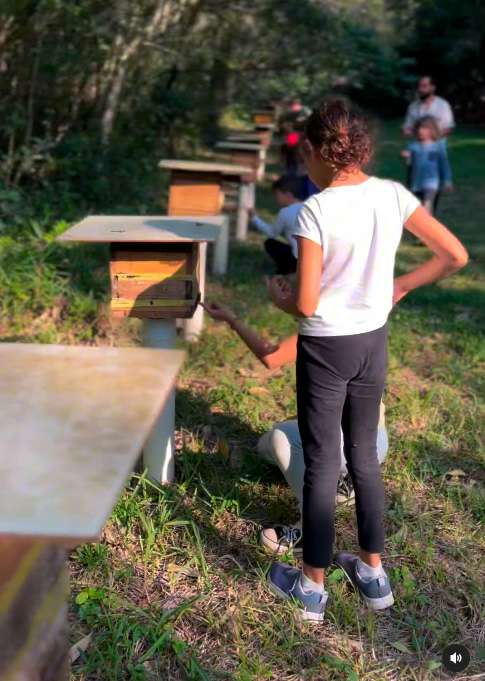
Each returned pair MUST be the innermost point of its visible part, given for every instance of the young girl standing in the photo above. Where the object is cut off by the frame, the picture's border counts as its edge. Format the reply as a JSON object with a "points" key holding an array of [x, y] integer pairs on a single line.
{"points": [[430, 171], [347, 237]]}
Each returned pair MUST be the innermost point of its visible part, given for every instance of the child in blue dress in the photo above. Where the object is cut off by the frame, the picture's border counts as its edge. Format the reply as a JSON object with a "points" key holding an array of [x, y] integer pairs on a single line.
{"points": [[430, 171]]}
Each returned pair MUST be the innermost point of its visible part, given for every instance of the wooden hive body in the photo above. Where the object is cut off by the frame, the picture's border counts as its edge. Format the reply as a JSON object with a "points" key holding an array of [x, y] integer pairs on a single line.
{"points": [[154, 281], [263, 117], [195, 193]]}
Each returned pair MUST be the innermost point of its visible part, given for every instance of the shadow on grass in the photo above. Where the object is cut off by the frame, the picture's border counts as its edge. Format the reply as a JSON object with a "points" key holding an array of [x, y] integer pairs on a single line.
{"points": [[228, 469]]}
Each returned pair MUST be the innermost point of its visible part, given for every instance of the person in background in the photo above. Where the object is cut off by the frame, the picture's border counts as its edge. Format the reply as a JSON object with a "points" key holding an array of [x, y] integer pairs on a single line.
{"points": [[286, 192], [347, 235], [428, 103], [429, 168], [289, 148], [281, 445]]}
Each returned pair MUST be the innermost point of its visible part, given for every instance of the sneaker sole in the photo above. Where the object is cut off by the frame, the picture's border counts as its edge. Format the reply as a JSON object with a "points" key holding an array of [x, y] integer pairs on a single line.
{"points": [[303, 615], [372, 603]]}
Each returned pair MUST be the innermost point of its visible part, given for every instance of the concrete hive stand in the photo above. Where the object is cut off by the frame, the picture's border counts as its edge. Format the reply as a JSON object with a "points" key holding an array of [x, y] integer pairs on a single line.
{"points": [[198, 188], [73, 421], [157, 267]]}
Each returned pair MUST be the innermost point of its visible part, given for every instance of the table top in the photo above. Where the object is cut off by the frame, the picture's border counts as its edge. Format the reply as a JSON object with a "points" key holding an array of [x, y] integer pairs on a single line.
{"points": [[206, 167], [73, 420], [143, 229], [243, 136]]}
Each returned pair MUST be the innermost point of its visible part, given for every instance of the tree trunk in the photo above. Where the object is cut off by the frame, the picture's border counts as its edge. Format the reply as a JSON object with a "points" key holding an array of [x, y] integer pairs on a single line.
{"points": [[127, 52]]}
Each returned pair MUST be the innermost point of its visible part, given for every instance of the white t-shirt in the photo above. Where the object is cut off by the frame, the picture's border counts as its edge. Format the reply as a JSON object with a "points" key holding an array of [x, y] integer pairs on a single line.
{"points": [[439, 108], [284, 225], [359, 228]]}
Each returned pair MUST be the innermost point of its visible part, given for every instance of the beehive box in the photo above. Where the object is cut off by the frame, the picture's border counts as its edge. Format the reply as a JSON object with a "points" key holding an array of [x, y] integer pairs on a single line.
{"points": [[247, 154], [154, 264], [196, 187], [155, 283], [263, 117]]}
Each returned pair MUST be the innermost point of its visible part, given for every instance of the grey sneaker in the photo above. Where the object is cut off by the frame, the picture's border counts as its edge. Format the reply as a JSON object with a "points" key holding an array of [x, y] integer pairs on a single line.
{"points": [[376, 593], [284, 581], [281, 538]]}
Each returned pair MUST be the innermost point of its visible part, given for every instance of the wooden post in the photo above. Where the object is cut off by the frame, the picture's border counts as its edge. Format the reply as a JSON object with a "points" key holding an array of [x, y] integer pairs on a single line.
{"points": [[33, 611]]}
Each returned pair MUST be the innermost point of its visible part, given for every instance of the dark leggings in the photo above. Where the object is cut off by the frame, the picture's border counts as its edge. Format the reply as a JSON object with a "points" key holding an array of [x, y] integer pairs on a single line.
{"points": [[340, 381]]}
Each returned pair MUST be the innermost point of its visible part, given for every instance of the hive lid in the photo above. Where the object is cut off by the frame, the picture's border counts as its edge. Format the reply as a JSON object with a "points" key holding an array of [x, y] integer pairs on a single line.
{"points": [[73, 422], [146, 228], [244, 146], [206, 167]]}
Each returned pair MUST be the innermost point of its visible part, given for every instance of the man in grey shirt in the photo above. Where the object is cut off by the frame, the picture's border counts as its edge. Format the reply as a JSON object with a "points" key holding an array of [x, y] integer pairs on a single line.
{"points": [[428, 103]]}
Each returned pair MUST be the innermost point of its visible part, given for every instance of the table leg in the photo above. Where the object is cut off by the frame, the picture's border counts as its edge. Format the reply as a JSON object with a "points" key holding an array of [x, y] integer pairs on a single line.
{"points": [[159, 450], [193, 326], [242, 211], [221, 249]]}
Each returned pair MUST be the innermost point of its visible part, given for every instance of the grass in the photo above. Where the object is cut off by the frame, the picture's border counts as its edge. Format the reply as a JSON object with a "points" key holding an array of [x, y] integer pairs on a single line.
{"points": [[175, 590]]}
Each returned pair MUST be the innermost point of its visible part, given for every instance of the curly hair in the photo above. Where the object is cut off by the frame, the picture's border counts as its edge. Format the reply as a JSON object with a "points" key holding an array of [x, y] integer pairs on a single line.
{"points": [[341, 133]]}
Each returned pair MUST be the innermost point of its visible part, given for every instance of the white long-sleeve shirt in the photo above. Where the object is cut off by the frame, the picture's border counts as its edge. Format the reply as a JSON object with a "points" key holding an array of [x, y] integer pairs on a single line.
{"points": [[284, 225]]}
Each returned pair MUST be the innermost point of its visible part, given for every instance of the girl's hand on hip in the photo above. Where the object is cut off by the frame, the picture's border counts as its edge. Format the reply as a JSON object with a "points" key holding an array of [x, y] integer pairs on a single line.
{"points": [[398, 293]]}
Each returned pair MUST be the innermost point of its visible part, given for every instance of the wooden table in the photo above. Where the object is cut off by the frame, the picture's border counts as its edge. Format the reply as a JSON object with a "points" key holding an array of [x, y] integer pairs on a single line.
{"points": [[73, 421], [197, 187]]}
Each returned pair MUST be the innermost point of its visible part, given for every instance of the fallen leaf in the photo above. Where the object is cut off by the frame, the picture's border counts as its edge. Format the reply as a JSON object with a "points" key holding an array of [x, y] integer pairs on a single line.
{"points": [[223, 448], [171, 603], [78, 648], [402, 647], [182, 570], [245, 372], [259, 390], [355, 645]]}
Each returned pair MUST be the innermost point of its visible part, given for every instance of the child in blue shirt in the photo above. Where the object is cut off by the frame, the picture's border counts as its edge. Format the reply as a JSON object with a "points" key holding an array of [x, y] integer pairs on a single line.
{"points": [[430, 170]]}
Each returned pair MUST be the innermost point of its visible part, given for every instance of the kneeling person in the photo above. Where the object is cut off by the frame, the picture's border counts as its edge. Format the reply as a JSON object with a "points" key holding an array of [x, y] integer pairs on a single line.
{"points": [[282, 444], [286, 191]]}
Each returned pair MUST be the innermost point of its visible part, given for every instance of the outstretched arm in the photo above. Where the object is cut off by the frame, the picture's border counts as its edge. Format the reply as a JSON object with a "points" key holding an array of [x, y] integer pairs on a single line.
{"points": [[449, 254], [270, 354]]}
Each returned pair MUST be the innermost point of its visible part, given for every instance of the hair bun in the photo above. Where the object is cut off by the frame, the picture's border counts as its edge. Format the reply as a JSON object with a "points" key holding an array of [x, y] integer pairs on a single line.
{"points": [[341, 133]]}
